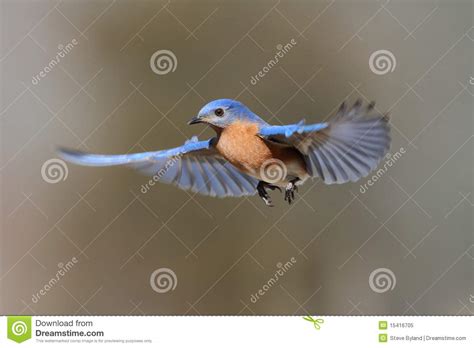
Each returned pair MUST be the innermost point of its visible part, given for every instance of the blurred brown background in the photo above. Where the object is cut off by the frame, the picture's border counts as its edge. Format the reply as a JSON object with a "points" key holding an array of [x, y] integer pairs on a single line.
{"points": [[103, 96]]}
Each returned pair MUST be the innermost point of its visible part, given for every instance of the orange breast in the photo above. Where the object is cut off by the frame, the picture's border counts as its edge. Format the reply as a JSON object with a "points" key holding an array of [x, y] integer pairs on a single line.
{"points": [[240, 144]]}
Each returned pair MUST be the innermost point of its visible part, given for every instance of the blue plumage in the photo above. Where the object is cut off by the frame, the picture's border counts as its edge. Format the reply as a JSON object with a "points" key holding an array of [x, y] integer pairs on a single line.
{"points": [[345, 148]]}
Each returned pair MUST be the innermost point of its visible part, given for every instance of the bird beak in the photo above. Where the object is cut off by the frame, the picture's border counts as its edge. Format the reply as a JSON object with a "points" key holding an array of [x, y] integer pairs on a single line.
{"points": [[195, 120]]}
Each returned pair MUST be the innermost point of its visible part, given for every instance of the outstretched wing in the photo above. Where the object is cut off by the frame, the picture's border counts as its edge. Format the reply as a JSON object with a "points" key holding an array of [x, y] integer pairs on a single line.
{"points": [[195, 166], [345, 148]]}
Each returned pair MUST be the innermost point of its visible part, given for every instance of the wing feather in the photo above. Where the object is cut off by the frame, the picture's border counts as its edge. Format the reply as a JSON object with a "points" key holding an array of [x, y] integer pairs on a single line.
{"points": [[346, 148], [195, 166]]}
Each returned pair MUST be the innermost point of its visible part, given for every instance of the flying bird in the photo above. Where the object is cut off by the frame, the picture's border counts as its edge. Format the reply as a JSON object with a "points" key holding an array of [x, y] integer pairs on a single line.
{"points": [[249, 156]]}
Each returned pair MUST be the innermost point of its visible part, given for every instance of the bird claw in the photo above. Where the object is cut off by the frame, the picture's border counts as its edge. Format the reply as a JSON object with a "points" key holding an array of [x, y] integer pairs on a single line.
{"points": [[273, 187], [267, 201], [264, 194], [290, 190]]}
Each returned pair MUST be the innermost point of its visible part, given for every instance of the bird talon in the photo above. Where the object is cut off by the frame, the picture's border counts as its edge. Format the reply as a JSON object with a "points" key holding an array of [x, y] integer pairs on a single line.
{"points": [[273, 187], [290, 192], [264, 194], [268, 201]]}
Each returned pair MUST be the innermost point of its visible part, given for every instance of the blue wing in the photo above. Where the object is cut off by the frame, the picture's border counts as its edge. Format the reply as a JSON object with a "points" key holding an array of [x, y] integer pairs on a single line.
{"points": [[345, 148], [195, 166], [289, 130]]}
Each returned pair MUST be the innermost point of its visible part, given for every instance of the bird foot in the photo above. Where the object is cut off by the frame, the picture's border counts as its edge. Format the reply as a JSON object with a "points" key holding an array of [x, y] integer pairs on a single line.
{"points": [[272, 187], [262, 192], [290, 190]]}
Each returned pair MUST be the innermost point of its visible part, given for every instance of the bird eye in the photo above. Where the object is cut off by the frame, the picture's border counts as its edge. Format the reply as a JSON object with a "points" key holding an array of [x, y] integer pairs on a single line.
{"points": [[219, 112]]}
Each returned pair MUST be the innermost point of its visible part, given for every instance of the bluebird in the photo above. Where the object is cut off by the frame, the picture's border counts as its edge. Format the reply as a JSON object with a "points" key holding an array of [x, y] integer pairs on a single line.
{"points": [[248, 156]]}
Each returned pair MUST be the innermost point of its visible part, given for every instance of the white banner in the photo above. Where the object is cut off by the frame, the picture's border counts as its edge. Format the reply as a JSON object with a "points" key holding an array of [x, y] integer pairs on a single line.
{"points": [[237, 331]]}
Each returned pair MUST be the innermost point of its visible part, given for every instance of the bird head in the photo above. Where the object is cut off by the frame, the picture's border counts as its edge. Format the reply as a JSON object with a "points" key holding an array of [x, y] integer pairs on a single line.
{"points": [[223, 112]]}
